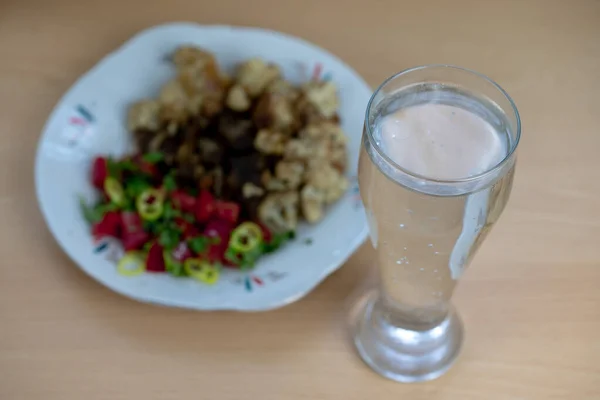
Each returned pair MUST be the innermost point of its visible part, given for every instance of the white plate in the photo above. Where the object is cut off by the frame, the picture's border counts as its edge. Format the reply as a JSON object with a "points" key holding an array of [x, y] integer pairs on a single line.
{"points": [[89, 120]]}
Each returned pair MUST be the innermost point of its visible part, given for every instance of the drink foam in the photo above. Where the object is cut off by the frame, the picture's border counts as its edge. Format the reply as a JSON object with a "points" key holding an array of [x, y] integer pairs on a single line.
{"points": [[440, 141]]}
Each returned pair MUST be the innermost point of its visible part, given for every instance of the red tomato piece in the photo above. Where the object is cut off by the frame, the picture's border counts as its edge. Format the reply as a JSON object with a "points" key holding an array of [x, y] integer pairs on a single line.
{"points": [[205, 206], [189, 230], [216, 254], [227, 210], [131, 222], [183, 201], [134, 240], [218, 231], [99, 172], [133, 235], [155, 261], [110, 225], [218, 228]]}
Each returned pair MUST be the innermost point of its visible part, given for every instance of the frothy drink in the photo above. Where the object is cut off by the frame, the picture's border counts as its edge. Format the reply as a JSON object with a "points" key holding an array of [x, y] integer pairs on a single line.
{"points": [[440, 141], [426, 230]]}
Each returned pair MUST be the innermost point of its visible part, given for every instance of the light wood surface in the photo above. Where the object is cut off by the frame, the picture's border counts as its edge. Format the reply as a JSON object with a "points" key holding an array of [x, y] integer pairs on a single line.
{"points": [[530, 301]]}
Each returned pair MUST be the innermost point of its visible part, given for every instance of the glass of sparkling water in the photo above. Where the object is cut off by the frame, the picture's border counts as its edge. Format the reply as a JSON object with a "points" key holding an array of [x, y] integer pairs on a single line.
{"points": [[435, 173]]}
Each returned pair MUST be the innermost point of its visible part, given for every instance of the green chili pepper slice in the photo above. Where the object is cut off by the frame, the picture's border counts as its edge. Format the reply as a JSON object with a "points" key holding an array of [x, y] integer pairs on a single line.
{"points": [[132, 264], [150, 204], [114, 190], [246, 238], [201, 270], [172, 266]]}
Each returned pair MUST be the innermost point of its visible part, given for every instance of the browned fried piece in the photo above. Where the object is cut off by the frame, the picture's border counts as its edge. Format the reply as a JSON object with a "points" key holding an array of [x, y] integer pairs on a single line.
{"points": [[245, 169], [244, 182], [238, 99], [213, 180], [190, 56], [270, 142], [275, 112], [255, 75], [143, 137], [237, 131], [144, 115], [169, 147], [210, 151]]}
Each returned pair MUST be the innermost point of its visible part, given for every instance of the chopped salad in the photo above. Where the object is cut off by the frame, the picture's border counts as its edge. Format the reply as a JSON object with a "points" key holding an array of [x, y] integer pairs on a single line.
{"points": [[165, 228]]}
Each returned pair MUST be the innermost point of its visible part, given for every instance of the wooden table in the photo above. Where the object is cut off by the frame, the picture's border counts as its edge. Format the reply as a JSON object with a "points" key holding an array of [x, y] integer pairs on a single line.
{"points": [[530, 302]]}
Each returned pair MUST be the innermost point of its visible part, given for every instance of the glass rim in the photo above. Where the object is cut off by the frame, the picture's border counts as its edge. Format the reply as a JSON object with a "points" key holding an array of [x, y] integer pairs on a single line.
{"points": [[412, 174]]}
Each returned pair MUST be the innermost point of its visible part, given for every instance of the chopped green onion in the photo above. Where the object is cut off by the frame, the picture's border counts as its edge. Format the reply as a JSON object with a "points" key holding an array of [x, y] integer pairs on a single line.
{"points": [[188, 218], [277, 241], [88, 212], [172, 266], [169, 212], [153, 157], [93, 214], [136, 185], [169, 183], [199, 244], [169, 238]]}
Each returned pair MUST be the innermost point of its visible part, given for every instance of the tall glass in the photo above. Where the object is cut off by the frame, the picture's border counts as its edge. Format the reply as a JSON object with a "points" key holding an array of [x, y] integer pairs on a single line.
{"points": [[429, 209]]}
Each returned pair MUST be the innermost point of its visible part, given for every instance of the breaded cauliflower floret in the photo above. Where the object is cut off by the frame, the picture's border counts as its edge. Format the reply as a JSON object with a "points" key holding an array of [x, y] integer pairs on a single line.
{"points": [[279, 211], [312, 203], [271, 183], [318, 142], [144, 115], [176, 104], [173, 93], [188, 56], [199, 77], [331, 136], [322, 95], [254, 75], [237, 99], [251, 190], [269, 142], [275, 112], [327, 179], [324, 129], [306, 150], [205, 84], [281, 87], [290, 173]]}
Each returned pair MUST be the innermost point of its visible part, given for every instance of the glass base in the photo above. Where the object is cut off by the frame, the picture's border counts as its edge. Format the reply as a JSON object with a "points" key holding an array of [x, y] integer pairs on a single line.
{"points": [[403, 355]]}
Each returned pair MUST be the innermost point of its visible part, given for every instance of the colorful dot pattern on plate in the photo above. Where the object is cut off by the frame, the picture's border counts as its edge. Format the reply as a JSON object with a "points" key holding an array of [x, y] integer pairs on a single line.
{"points": [[79, 123]]}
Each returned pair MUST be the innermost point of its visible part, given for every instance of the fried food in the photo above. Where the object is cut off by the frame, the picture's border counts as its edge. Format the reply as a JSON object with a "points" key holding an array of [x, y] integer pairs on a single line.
{"points": [[276, 148]]}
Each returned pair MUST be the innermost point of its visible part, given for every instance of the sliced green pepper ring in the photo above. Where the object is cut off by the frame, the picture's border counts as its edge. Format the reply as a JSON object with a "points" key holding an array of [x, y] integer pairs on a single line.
{"points": [[114, 190], [201, 270], [246, 237], [132, 264], [150, 204]]}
